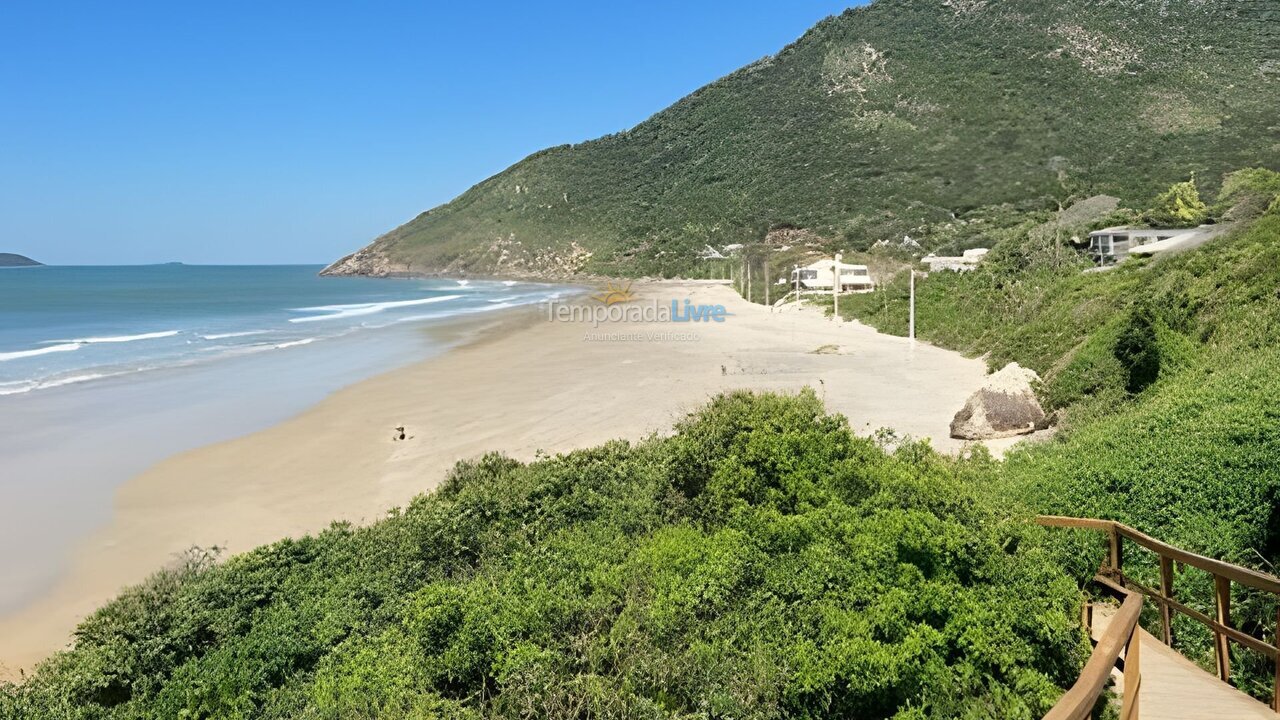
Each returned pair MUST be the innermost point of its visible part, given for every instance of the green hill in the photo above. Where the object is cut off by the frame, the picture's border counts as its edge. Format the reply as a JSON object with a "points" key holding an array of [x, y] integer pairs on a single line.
{"points": [[878, 123], [1164, 373]]}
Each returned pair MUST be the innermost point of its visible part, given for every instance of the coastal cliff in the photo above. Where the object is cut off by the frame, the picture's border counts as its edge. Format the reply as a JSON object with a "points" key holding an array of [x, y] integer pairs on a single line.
{"points": [[370, 261], [505, 257]]}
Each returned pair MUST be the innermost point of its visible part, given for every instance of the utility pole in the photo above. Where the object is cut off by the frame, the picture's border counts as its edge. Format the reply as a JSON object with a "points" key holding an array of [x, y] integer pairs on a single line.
{"points": [[766, 283], [911, 317], [835, 288], [795, 270], [747, 295]]}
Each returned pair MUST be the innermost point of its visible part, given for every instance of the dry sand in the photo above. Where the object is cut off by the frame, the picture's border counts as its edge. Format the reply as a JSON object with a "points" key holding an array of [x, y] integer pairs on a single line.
{"points": [[521, 385]]}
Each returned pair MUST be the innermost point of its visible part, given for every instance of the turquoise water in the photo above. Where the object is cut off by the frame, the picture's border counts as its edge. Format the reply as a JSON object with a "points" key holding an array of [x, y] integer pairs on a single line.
{"points": [[67, 325], [105, 371]]}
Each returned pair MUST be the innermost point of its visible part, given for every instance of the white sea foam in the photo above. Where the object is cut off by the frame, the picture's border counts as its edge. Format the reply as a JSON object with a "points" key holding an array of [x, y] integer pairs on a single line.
{"points": [[19, 354], [13, 388], [73, 379], [295, 343], [509, 283], [468, 311], [24, 386], [118, 338], [338, 312], [56, 346], [246, 333]]}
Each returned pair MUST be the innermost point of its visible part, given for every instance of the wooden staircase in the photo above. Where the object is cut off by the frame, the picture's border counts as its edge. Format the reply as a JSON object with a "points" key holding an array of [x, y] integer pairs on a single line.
{"points": [[1154, 681]]}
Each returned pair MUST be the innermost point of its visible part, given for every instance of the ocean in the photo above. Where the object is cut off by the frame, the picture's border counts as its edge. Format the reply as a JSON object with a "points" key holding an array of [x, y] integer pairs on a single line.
{"points": [[67, 325], [105, 371]]}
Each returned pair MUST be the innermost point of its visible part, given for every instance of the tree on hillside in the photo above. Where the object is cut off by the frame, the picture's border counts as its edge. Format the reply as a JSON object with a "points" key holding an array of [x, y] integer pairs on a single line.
{"points": [[1179, 205]]}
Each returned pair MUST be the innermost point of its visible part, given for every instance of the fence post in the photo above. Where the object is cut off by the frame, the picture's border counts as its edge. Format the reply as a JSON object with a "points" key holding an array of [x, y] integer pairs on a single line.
{"points": [[1221, 644], [1166, 590], [1275, 690], [1117, 556], [1132, 675]]}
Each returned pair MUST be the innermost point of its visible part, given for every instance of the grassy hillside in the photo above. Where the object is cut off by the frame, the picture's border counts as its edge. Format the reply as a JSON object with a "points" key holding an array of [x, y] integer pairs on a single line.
{"points": [[1166, 375], [761, 563], [884, 121], [1193, 454]]}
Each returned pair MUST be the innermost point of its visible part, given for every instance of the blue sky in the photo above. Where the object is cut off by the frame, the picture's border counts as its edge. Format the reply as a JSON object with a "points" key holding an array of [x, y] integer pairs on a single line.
{"points": [[257, 132]]}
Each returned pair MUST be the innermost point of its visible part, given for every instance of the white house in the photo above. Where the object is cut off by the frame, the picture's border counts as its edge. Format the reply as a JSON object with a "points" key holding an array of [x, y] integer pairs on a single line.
{"points": [[1113, 244], [959, 263], [820, 276]]}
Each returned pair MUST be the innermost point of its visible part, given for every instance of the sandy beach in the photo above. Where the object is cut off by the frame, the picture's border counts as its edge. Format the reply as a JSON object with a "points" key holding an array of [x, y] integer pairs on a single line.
{"points": [[520, 384]]}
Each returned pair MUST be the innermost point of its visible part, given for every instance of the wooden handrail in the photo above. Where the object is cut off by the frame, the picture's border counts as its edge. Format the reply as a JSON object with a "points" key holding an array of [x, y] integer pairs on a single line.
{"points": [[1121, 634], [1111, 575], [1235, 573]]}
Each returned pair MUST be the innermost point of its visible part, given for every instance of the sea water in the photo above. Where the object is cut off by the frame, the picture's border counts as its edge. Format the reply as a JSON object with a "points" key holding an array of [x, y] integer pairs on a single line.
{"points": [[105, 371], [67, 325]]}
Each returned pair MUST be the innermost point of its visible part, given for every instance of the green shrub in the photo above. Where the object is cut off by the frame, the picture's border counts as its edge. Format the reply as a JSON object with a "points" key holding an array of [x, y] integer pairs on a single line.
{"points": [[1248, 193], [1164, 374], [1138, 350], [762, 562], [1178, 206]]}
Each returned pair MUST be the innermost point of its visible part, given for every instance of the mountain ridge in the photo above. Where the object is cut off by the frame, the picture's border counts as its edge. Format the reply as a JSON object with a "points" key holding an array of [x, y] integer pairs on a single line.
{"points": [[880, 122]]}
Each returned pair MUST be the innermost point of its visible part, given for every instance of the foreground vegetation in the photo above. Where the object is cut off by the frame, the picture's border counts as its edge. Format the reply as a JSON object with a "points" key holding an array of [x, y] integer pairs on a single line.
{"points": [[763, 562], [1165, 376], [887, 120]]}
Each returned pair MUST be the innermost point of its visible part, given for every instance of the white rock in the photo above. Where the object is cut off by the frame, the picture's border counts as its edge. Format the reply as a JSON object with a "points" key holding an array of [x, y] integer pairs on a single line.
{"points": [[1004, 406]]}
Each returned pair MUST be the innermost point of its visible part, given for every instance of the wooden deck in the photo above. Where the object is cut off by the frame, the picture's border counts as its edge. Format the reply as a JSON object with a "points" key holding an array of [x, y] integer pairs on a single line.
{"points": [[1174, 688]]}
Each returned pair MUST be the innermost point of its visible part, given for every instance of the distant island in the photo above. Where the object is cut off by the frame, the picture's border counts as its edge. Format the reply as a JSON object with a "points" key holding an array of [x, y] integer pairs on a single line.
{"points": [[15, 260]]}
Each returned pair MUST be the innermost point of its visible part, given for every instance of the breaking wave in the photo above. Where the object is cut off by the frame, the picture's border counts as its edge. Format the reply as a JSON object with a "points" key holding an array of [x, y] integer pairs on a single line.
{"points": [[338, 312]]}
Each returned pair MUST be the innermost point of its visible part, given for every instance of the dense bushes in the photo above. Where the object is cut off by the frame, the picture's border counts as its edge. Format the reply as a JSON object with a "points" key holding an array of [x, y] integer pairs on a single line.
{"points": [[1167, 374], [762, 562], [1248, 193], [1197, 463]]}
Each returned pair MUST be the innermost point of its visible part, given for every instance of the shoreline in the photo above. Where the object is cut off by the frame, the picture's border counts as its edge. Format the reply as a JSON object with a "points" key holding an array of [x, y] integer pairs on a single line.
{"points": [[68, 449], [513, 383]]}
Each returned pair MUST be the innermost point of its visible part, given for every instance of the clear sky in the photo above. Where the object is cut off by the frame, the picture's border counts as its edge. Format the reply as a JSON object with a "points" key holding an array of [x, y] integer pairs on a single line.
{"points": [[273, 132]]}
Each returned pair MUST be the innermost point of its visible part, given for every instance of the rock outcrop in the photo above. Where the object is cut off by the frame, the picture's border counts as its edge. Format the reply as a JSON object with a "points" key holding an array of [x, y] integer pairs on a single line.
{"points": [[370, 261], [503, 257], [1004, 406]]}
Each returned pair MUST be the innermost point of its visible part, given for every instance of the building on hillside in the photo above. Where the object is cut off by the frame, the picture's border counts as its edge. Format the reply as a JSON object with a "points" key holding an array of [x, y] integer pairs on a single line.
{"points": [[710, 253], [819, 276], [1111, 245], [957, 263]]}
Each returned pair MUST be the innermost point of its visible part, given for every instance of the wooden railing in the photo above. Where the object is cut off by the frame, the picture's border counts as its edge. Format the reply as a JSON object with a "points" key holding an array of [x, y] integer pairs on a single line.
{"points": [[1111, 575], [1121, 634]]}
